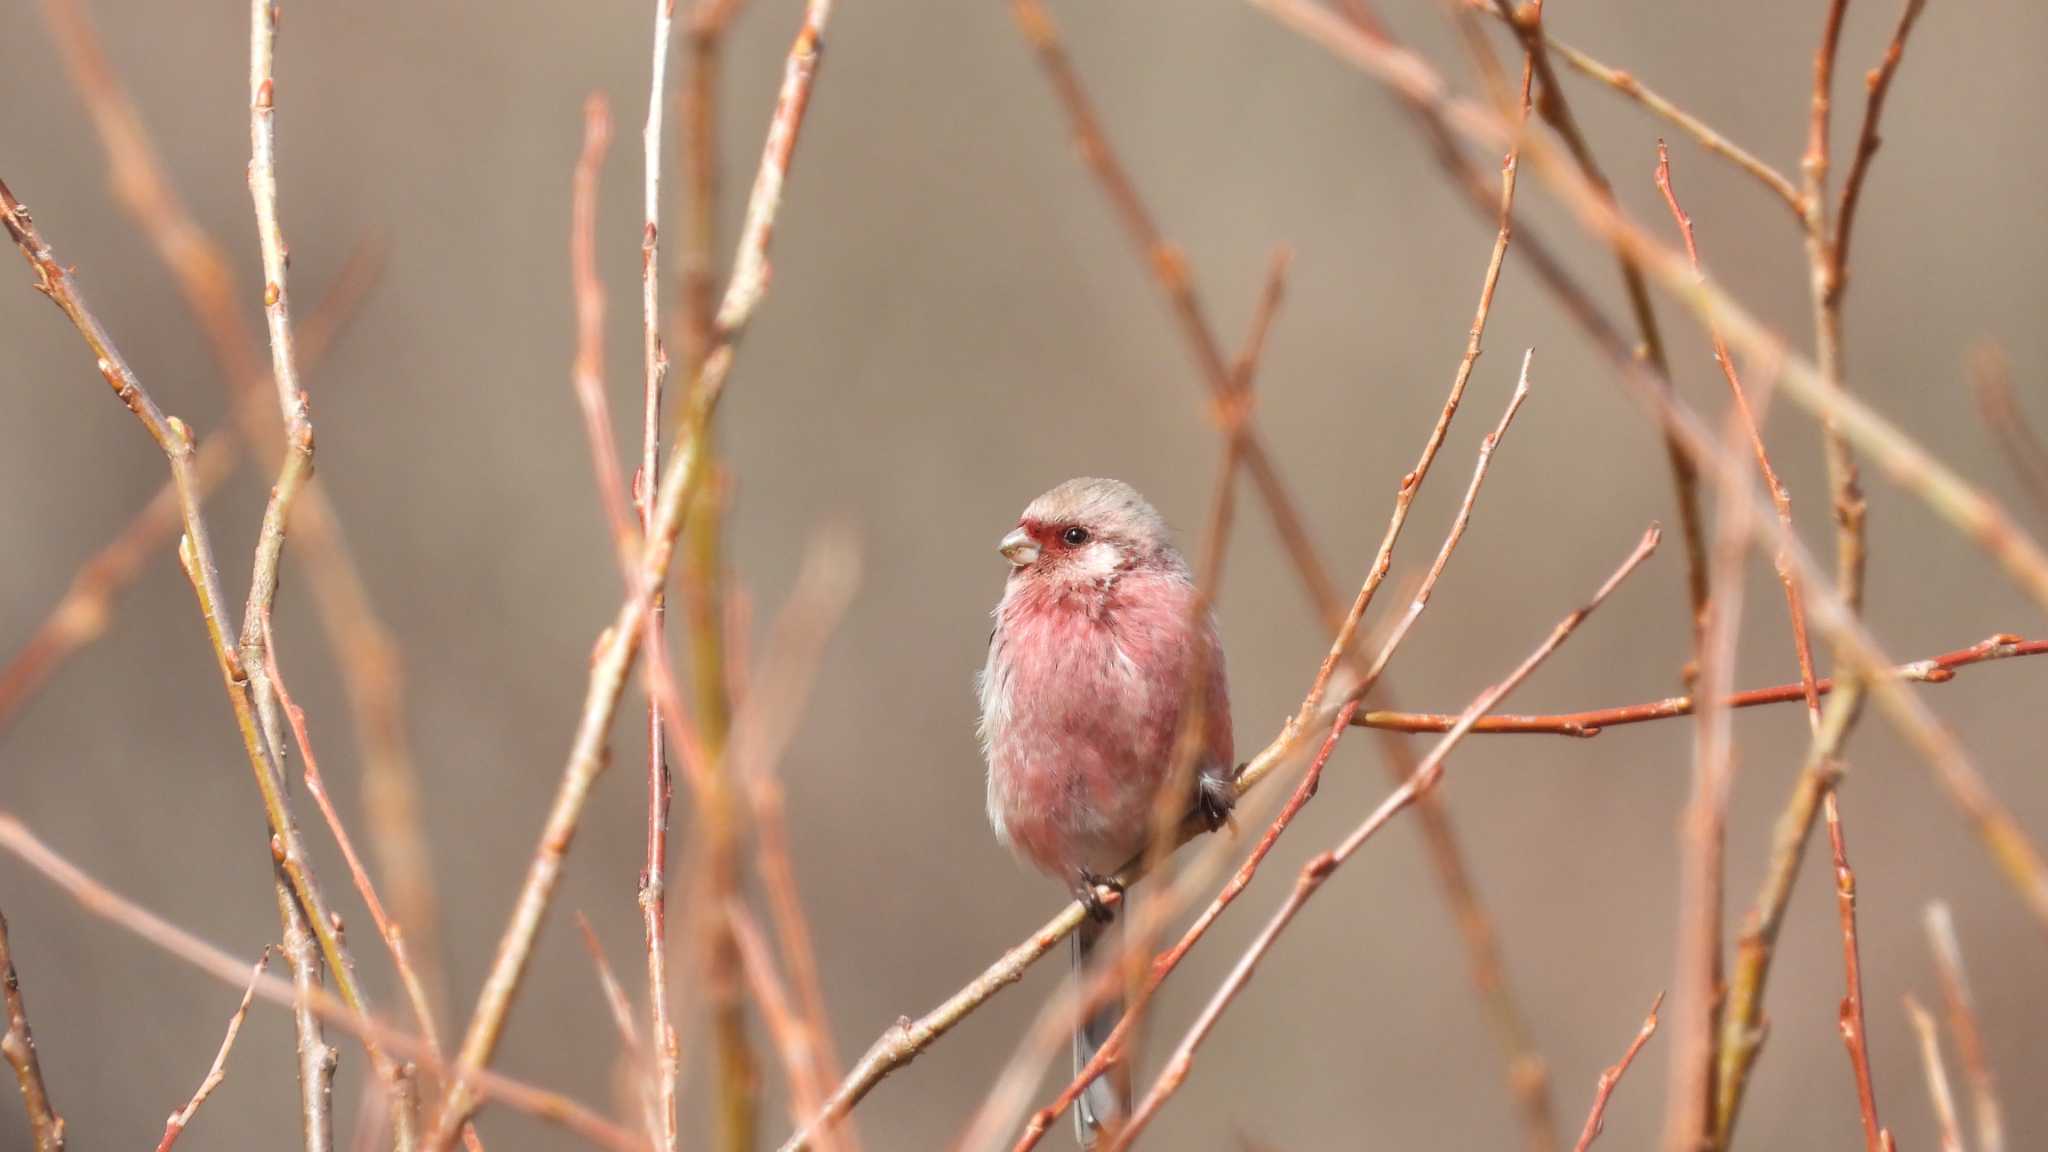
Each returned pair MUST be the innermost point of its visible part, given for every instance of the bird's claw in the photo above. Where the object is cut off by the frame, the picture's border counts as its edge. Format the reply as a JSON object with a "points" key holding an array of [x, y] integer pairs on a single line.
{"points": [[1215, 800], [1090, 894]]}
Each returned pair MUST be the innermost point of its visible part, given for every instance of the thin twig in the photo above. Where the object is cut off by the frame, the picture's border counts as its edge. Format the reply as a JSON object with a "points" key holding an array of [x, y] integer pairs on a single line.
{"points": [[1854, 1035], [1962, 1022], [1823, 279], [587, 372], [621, 645], [218, 1071], [1933, 670], [629, 1032], [103, 902], [1878, 82], [1319, 869], [1595, 1117], [1938, 1090], [19, 1046]]}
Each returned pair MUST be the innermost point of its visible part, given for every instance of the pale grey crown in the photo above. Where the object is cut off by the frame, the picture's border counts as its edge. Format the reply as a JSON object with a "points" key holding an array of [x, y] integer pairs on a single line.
{"points": [[1113, 510]]}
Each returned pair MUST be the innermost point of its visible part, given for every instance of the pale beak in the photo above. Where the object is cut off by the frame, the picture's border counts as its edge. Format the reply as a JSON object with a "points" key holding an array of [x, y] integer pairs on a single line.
{"points": [[1019, 548]]}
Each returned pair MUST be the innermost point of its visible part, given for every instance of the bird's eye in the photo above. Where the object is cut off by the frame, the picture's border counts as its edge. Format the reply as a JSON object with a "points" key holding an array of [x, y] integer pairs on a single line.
{"points": [[1075, 536]]}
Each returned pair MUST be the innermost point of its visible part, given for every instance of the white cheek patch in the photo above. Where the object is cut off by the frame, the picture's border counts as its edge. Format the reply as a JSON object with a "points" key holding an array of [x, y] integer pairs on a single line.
{"points": [[1097, 561]]}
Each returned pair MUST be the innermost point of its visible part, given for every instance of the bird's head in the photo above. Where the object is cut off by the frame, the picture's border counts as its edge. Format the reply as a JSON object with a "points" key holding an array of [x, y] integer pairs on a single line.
{"points": [[1086, 531]]}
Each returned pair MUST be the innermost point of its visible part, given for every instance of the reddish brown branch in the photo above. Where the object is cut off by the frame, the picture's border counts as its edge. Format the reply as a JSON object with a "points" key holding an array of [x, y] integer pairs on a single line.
{"points": [[1878, 82], [1854, 1034], [1595, 1117], [1934, 670]]}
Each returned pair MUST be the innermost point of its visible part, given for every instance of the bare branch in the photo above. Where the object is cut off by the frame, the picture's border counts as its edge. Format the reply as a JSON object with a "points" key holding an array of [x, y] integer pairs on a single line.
{"points": [[218, 1071], [1595, 1118], [18, 1044]]}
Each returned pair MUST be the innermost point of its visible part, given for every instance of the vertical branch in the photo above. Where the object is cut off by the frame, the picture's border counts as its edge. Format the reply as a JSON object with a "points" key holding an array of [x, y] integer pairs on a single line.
{"points": [[738, 1087], [317, 1058], [1702, 857], [654, 875], [1854, 1035], [303, 939], [1825, 285], [19, 1046]]}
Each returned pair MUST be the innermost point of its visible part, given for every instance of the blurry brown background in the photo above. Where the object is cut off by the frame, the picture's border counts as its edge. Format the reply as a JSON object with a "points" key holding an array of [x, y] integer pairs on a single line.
{"points": [[956, 323]]}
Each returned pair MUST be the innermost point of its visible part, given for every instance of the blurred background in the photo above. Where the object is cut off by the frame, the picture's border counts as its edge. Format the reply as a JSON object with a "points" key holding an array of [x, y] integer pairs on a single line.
{"points": [[957, 323]]}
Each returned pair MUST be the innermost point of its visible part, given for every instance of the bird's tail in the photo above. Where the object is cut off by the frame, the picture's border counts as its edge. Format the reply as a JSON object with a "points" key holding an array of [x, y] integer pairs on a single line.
{"points": [[1106, 1102]]}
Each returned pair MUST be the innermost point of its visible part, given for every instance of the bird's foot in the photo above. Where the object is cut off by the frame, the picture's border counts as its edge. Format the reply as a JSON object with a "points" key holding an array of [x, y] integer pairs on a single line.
{"points": [[1215, 800], [1089, 893]]}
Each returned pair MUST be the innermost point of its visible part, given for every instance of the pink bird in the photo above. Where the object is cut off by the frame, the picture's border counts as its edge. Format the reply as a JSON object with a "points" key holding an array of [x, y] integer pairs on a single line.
{"points": [[1088, 671]]}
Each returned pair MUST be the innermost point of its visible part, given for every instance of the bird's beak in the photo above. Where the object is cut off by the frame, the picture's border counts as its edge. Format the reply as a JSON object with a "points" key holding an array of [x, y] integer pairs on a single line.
{"points": [[1019, 548]]}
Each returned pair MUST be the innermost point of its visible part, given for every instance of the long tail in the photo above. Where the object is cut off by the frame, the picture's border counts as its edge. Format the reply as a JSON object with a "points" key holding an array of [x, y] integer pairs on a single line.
{"points": [[1107, 1100]]}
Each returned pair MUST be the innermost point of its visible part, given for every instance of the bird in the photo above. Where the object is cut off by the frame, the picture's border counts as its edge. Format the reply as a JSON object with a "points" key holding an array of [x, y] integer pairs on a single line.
{"points": [[1099, 639]]}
